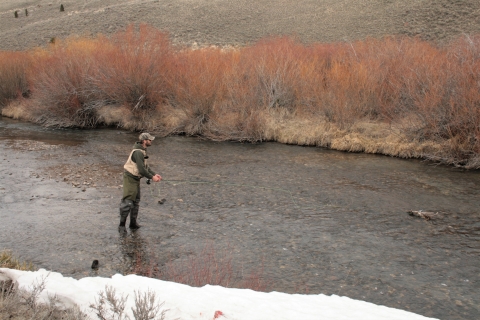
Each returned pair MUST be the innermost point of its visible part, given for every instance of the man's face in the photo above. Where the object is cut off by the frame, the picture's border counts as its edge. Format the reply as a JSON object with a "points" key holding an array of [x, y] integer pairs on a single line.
{"points": [[148, 143]]}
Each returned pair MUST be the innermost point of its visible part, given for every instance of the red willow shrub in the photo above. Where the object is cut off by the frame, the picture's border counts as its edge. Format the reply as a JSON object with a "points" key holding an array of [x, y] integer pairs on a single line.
{"points": [[13, 76], [238, 115], [209, 265], [430, 93], [414, 81], [274, 66], [131, 69], [461, 105], [196, 86], [72, 79], [436, 89], [275, 73], [348, 91], [61, 84]]}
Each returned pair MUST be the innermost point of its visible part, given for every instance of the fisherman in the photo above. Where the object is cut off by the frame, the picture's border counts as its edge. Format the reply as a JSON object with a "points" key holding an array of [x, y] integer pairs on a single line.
{"points": [[136, 168]]}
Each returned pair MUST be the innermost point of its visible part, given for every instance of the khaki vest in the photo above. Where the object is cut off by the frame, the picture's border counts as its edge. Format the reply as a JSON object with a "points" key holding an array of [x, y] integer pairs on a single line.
{"points": [[131, 166]]}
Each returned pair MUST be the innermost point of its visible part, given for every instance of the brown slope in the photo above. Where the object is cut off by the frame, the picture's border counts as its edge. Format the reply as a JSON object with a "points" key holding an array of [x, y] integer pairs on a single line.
{"points": [[238, 22]]}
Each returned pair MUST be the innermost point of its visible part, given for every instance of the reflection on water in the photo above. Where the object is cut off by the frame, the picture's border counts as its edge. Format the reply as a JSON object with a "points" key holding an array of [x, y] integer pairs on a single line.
{"points": [[15, 131], [323, 221], [134, 250]]}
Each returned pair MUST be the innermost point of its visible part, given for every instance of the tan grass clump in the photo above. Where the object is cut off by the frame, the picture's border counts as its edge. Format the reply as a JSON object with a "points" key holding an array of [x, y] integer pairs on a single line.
{"points": [[17, 109], [7, 260], [17, 304]]}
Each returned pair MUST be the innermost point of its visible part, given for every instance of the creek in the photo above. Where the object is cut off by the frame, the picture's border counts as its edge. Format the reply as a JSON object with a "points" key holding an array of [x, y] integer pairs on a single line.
{"points": [[312, 220]]}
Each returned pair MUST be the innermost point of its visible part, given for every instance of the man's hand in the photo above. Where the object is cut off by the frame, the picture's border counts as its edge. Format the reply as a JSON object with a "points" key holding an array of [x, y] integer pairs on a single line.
{"points": [[156, 178]]}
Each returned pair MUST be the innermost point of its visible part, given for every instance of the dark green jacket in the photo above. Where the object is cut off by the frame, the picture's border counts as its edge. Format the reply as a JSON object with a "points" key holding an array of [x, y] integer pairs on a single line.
{"points": [[138, 158]]}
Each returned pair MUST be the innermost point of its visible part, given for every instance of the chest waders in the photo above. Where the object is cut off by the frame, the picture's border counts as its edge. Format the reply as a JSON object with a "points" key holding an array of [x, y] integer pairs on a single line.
{"points": [[131, 193], [130, 202]]}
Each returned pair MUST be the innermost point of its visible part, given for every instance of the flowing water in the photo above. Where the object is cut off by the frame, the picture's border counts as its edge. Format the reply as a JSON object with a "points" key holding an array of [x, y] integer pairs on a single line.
{"points": [[313, 220]]}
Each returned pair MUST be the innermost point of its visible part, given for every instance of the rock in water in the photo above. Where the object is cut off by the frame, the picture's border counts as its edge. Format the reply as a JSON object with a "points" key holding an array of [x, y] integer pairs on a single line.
{"points": [[427, 215]]}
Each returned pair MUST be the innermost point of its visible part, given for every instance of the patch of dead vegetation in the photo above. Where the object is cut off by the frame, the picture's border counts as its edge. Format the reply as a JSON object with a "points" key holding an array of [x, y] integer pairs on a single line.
{"points": [[7, 260]]}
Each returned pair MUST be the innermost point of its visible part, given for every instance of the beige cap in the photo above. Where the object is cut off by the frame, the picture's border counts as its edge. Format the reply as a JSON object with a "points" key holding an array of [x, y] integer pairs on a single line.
{"points": [[146, 136]]}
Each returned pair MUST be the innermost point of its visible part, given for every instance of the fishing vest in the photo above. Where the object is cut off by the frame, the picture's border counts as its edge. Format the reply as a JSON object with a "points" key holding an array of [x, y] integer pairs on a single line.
{"points": [[131, 166]]}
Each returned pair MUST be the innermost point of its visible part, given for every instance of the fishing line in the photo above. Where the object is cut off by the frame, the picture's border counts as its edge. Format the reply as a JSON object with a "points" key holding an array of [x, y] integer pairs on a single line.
{"points": [[174, 182]]}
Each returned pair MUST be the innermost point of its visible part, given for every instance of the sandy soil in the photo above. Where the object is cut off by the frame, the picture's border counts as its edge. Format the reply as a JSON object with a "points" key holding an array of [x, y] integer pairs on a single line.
{"points": [[223, 22]]}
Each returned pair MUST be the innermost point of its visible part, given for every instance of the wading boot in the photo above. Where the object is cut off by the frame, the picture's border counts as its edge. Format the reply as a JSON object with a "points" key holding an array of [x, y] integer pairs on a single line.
{"points": [[121, 226], [133, 217], [122, 231], [133, 224], [125, 208]]}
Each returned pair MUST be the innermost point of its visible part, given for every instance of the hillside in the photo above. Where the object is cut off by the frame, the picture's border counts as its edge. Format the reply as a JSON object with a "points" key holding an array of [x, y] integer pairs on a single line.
{"points": [[238, 22]]}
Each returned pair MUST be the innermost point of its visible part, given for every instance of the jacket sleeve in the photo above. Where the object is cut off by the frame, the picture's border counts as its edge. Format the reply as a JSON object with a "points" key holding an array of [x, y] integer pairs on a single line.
{"points": [[151, 171], [137, 157]]}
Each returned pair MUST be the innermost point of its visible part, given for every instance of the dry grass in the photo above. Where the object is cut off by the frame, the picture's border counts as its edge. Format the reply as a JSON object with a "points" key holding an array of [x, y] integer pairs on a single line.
{"points": [[109, 306], [398, 96], [17, 109], [7, 260], [17, 304]]}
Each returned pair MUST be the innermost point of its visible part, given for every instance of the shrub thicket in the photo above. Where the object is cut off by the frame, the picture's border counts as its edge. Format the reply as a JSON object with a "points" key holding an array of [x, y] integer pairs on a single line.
{"points": [[61, 85], [130, 69], [429, 93], [13, 76]]}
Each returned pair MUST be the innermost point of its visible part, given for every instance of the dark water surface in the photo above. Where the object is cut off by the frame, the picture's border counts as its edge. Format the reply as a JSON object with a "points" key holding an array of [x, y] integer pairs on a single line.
{"points": [[315, 220]]}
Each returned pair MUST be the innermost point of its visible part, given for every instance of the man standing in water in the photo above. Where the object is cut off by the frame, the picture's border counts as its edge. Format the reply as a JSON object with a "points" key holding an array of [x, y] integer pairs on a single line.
{"points": [[136, 168]]}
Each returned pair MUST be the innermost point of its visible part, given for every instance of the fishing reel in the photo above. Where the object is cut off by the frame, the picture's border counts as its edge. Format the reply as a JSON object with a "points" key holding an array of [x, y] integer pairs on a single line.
{"points": [[149, 181]]}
